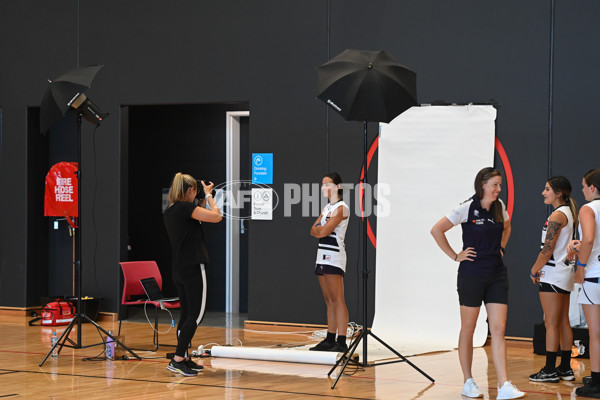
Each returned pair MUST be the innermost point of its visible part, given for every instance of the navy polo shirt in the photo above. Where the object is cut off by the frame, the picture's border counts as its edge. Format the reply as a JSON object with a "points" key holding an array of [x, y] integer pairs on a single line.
{"points": [[480, 231]]}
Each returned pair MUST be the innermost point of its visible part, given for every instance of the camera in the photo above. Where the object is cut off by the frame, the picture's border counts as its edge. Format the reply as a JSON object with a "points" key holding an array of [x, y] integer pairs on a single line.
{"points": [[200, 196]]}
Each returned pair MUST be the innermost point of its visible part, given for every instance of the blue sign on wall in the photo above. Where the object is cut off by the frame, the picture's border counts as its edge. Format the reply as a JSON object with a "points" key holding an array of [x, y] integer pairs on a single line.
{"points": [[262, 168]]}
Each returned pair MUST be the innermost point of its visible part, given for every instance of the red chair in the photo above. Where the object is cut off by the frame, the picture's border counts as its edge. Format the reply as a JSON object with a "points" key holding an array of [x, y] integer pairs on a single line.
{"points": [[133, 271]]}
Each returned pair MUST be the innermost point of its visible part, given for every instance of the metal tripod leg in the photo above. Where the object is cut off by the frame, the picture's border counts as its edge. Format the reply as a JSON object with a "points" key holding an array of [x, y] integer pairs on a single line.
{"points": [[348, 354], [352, 349], [65, 336]]}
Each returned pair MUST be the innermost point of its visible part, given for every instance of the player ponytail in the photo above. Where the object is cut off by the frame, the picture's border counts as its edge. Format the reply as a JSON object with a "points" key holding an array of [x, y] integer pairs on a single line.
{"points": [[561, 185]]}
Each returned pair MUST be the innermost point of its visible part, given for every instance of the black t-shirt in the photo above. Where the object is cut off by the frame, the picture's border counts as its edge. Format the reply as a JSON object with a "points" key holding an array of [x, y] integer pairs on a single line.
{"points": [[185, 235]]}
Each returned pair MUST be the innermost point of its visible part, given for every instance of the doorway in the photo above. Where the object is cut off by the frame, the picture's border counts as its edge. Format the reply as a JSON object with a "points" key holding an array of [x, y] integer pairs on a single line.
{"points": [[162, 140], [238, 226]]}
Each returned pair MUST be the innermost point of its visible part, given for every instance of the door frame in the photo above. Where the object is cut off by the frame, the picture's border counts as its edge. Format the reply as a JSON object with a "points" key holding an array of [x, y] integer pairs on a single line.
{"points": [[232, 235]]}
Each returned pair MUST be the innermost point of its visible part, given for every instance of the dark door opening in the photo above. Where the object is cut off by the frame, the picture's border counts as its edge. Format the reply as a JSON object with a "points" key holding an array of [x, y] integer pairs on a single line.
{"points": [[164, 140]]}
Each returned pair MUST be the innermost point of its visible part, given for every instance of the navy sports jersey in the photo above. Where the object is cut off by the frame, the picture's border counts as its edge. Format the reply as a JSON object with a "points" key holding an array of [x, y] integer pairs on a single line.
{"points": [[480, 231]]}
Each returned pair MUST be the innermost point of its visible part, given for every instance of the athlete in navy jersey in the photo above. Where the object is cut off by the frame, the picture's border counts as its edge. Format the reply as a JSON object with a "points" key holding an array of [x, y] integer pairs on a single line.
{"points": [[482, 275]]}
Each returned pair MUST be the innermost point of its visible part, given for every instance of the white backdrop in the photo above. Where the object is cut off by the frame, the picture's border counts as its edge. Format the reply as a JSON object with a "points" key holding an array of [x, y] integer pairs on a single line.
{"points": [[429, 156]]}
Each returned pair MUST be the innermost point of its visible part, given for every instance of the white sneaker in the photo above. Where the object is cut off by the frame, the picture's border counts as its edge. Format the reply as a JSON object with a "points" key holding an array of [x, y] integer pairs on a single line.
{"points": [[509, 391], [470, 389]]}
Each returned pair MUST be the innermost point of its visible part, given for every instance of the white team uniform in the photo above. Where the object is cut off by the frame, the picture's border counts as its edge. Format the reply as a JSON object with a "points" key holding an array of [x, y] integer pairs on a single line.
{"points": [[558, 271], [332, 250], [590, 292]]}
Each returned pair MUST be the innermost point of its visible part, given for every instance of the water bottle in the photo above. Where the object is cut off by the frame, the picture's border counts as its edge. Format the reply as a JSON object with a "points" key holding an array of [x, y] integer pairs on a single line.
{"points": [[53, 342], [110, 347]]}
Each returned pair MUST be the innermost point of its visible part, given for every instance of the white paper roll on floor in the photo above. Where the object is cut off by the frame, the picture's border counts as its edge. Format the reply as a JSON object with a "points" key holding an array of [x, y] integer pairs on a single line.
{"points": [[261, 353]]}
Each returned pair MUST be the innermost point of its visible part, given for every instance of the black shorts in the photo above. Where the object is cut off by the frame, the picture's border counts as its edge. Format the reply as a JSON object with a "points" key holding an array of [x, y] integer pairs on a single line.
{"points": [[323, 269], [474, 289], [548, 287]]}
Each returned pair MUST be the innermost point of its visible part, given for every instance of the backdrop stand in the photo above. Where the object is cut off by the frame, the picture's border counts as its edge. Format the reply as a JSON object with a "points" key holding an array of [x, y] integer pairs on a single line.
{"points": [[79, 316], [364, 332]]}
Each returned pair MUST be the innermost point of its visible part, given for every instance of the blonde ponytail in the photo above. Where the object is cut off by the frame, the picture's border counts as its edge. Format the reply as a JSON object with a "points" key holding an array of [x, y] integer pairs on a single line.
{"points": [[181, 183]]}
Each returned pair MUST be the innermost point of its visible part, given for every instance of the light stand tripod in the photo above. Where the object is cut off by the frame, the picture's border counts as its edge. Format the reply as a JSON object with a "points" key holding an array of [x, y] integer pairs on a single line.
{"points": [[364, 332], [80, 316]]}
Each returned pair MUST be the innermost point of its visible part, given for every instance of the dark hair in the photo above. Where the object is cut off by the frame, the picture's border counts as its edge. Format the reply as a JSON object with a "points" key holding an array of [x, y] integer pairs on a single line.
{"points": [[337, 179], [560, 184], [592, 177], [482, 177]]}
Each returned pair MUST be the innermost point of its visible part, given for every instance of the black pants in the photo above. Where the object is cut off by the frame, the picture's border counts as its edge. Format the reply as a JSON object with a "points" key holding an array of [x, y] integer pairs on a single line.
{"points": [[188, 282]]}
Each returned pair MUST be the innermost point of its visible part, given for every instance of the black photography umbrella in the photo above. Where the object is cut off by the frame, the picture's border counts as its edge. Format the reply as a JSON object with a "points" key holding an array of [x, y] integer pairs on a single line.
{"points": [[67, 91], [364, 85]]}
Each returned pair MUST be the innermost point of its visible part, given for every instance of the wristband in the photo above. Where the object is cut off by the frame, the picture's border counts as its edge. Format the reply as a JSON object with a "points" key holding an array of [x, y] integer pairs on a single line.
{"points": [[208, 195], [502, 249], [455, 257], [532, 275], [317, 224], [580, 264]]}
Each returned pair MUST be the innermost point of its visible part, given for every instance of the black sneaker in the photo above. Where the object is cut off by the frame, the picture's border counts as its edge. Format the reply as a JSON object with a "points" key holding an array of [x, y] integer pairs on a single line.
{"points": [[325, 345], [192, 365], [567, 375], [586, 380], [340, 348], [544, 376], [588, 391], [181, 368]]}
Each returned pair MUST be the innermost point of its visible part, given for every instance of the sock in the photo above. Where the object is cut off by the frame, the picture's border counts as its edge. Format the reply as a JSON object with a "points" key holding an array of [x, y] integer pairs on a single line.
{"points": [[565, 360], [595, 378], [550, 360], [341, 340], [330, 337]]}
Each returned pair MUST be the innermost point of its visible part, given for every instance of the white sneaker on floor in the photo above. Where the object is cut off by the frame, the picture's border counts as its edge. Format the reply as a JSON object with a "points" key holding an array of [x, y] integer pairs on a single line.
{"points": [[470, 389], [509, 391]]}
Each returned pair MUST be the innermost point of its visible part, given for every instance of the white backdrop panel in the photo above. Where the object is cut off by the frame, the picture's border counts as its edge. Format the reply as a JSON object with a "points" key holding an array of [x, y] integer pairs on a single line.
{"points": [[429, 157]]}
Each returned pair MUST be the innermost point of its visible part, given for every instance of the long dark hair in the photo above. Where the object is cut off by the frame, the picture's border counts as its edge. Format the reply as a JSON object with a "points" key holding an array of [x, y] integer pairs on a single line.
{"points": [[482, 177], [337, 179], [561, 185]]}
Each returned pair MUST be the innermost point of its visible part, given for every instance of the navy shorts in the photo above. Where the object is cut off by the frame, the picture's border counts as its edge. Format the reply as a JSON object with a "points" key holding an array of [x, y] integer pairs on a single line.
{"points": [[475, 289], [550, 288], [323, 269]]}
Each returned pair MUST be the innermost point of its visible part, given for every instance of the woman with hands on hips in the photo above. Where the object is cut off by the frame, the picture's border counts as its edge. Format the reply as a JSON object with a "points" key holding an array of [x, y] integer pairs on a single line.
{"points": [[587, 251], [482, 275], [554, 274]]}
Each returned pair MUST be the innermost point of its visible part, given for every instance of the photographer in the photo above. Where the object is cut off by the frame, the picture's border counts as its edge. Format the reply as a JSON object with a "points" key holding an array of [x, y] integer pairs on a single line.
{"points": [[189, 252]]}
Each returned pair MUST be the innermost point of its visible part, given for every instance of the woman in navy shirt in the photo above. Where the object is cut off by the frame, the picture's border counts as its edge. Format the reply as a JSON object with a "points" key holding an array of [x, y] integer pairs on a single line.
{"points": [[482, 275]]}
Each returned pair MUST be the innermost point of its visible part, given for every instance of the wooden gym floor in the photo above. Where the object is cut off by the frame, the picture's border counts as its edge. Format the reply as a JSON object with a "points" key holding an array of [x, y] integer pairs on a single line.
{"points": [[70, 376]]}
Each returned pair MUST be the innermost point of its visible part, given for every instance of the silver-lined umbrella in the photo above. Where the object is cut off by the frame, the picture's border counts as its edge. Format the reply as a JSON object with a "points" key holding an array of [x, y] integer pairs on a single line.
{"points": [[62, 92]]}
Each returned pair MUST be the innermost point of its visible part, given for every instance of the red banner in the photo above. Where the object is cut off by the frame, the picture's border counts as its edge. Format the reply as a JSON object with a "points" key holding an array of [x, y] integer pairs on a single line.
{"points": [[61, 195]]}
